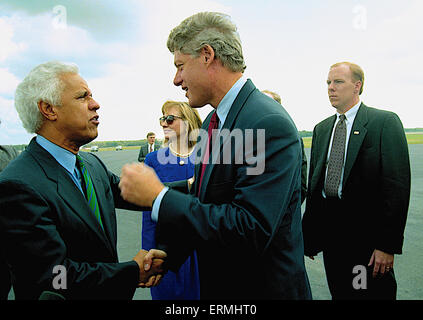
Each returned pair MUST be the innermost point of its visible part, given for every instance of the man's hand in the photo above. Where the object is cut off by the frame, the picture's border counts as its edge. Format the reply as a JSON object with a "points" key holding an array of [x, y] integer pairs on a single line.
{"points": [[139, 184], [190, 182], [152, 275], [383, 262]]}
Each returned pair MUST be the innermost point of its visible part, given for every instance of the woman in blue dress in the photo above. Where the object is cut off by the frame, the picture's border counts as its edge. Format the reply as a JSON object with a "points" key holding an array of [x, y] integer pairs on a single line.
{"points": [[175, 161]]}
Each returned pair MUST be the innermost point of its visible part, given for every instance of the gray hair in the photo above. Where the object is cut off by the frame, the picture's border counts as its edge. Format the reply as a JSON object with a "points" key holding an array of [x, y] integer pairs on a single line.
{"points": [[43, 83], [212, 28]]}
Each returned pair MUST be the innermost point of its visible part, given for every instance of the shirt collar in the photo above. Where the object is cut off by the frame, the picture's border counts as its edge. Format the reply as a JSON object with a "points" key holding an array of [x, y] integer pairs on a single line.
{"points": [[64, 157], [227, 101], [351, 113]]}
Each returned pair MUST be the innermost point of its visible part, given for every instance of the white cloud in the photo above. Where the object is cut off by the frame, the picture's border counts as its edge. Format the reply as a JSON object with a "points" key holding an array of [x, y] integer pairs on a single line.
{"points": [[8, 82], [288, 48], [7, 46]]}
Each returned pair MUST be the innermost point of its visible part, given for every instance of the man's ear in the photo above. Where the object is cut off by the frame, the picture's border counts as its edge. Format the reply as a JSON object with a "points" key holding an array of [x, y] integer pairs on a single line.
{"points": [[207, 53], [358, 85], [47, 110]]}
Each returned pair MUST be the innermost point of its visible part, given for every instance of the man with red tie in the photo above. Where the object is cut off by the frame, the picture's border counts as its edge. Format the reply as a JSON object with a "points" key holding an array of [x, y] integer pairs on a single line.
{"points": [[242, 214]]}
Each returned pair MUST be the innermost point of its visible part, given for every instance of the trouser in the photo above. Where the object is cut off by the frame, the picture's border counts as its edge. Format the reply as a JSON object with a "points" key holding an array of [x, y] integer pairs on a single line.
{"points": [[346, 262], [5, 282]]}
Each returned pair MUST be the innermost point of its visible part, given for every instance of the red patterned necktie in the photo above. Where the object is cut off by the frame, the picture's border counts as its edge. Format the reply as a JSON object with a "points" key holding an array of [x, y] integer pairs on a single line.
{"points": [[151, 148], [214, 124]]}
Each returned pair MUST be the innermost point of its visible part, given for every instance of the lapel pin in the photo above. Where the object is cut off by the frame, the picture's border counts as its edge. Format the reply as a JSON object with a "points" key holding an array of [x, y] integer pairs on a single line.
{"points": [[356, 132]]}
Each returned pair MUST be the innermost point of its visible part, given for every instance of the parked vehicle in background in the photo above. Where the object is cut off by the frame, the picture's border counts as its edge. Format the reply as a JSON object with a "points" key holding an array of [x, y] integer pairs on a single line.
{"points": [[94, 149], [119, 148]]}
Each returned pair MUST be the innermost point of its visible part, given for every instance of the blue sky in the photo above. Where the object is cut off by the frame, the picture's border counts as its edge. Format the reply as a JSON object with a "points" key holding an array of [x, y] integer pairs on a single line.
{"points": [[120, 47]]}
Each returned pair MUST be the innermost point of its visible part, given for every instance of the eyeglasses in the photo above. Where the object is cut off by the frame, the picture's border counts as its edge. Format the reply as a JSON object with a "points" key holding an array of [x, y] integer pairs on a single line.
{"points": [[169, 119]]}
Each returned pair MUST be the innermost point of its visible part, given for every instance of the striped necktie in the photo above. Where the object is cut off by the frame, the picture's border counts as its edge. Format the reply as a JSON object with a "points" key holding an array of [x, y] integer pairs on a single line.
{"points": [[90, 192]]}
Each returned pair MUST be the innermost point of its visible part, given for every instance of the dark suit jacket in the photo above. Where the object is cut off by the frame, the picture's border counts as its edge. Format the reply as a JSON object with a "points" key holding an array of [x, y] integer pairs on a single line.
{"points": [[375, 190], [7, 154], [144, 150], [246, 228], [46, 221]]}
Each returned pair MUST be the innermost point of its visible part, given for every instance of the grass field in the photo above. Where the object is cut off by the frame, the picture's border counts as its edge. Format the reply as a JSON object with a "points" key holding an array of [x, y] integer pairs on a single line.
{"points": [[412, 138]]}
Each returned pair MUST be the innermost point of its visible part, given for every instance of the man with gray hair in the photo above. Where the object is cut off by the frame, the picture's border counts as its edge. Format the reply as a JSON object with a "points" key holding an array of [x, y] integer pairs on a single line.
{"points": [[245, 225], [57, 204]]}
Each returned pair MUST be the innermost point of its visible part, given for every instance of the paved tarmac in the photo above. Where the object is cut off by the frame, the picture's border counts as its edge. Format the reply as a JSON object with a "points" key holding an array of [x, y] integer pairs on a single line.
{"points": [[408, 266]]}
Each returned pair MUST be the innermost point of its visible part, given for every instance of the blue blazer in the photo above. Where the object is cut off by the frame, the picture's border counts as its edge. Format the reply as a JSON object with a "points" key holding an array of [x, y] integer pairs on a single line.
{"points": [[246, 228]]}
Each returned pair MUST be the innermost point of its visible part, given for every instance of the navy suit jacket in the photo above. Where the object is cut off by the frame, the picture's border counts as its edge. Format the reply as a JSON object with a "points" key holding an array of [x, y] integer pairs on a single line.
{"points": [[45, 221], [245, 227]]}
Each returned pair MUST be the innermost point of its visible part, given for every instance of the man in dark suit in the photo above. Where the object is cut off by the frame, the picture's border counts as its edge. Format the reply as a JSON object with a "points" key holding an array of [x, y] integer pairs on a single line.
{"points": [[357, 208], [242, 215], [148, 147], [57, 205], [7, 154], [277, 98]]}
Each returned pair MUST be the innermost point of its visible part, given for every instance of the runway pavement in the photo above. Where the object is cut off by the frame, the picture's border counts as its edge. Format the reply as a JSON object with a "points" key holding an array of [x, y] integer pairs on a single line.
{"points": [[408, 266]]}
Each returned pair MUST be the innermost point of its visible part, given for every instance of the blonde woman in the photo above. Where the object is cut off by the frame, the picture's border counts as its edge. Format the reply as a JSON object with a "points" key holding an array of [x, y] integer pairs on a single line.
{"points": [[175, 161]]}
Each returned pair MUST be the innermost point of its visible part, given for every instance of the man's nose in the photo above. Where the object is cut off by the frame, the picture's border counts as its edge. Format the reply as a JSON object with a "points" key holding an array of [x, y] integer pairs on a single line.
{"points": [[177, 81], [93, 104]]}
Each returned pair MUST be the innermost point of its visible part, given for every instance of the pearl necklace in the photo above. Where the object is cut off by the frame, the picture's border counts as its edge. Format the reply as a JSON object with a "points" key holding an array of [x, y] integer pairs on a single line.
{"points": [[181, 162]]}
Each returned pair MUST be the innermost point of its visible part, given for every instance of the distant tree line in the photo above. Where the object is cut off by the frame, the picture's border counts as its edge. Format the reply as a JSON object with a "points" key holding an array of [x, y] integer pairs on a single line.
{"points": [[129, 143], [123, 143]]}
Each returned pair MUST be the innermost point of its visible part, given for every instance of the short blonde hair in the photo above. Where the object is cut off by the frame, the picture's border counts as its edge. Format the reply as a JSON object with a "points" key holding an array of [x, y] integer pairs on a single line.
{"points": [[274, 95], [190, 115], [356, 71]]}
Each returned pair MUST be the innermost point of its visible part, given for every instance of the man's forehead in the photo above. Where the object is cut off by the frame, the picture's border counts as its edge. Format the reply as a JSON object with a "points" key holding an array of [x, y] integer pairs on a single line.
{"points": [[340, 72], [178, 56], [74, 81]]}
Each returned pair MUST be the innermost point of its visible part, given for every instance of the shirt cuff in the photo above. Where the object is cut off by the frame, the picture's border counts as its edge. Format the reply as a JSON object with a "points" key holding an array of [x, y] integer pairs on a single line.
{"points": [[156, 205]]}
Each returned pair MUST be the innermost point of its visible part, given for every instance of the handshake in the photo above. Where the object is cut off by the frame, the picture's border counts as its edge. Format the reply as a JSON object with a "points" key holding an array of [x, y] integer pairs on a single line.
{"points": [[151, 264]]}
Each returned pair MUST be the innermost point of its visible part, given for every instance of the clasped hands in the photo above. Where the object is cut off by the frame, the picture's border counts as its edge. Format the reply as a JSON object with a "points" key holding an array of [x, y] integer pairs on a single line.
{"points": [[140, 185], [151, 264]]}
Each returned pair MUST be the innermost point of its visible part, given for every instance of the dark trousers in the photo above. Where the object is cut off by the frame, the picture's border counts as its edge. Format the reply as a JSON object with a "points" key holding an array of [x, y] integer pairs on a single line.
{"points": [[5, 282], [346, 260]]}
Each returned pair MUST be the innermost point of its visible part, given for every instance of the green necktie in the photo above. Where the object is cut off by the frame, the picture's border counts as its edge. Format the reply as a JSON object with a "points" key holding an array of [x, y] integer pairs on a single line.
{"points": [[90, 192]]}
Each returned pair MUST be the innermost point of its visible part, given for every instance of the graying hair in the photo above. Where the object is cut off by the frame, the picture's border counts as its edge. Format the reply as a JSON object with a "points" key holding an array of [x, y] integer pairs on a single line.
{"points": [[43, 83], [212, 28]]}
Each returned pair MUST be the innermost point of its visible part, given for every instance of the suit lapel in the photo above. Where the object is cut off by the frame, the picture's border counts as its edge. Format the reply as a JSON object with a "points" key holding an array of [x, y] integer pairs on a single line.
{"points": [[322, 145], [229, 124], [67, 189], [357, 135]]}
